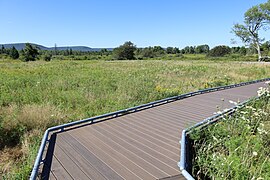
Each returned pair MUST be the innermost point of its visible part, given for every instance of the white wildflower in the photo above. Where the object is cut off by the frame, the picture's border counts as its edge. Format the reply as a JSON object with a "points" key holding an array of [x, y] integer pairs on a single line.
{"points": [[256, 114], [255, 153], [218, 112], [232, 102], [261, 129], [243, 112], [263, 91]]}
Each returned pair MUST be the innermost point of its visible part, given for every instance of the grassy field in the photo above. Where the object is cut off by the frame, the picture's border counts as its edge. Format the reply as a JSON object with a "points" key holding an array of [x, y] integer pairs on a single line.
{"points": [[37, 95]]}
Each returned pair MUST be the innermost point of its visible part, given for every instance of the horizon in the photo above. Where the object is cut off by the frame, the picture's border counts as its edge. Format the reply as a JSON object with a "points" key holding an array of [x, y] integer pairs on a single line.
{"points": [[70, 46], [106, 24]]}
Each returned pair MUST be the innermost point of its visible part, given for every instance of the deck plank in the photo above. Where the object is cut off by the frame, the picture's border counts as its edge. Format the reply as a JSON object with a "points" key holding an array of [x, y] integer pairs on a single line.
{"points": [[58, 170], [75, 156], [71, 167], [113, 157], [102, 167]]}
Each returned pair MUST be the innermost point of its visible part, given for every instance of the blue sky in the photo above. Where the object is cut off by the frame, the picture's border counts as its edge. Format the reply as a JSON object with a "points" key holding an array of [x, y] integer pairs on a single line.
{"points": [[109, 23]]}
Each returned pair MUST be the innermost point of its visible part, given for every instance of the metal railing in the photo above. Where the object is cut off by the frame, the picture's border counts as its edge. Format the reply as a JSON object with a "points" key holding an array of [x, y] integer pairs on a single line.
{"points": [[183, 164], [39, 159]]}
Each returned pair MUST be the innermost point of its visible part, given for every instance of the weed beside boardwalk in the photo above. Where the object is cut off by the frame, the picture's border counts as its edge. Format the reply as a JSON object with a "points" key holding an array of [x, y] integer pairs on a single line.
{"points": [[236, 147], [37, 95]]}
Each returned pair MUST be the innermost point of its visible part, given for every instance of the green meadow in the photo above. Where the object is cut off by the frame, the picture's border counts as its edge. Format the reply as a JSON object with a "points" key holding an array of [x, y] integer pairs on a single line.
{"points": [[37, 95]]}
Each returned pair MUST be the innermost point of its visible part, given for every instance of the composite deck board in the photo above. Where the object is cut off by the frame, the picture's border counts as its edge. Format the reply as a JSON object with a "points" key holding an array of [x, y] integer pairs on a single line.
{"points": [[96, 162], [108, 153], [151, 144], [141, 153], [176, 177], [52, 177], [127, 153], [140, 145], [59, 170], [82, 162], [70, 165], [107, 159]]}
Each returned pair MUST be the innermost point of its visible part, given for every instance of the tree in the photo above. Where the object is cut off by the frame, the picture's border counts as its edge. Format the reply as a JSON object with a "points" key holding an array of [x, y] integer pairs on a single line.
{"points": [[104, 52], [255, 19], [125, 51], [3, 50], [14, 54], [148, 52], [29, 53], [265, 47], [66, 52], [55, 49], [242, 50], [202, 49], [219, 51], [169, 50], [158, 50], [235, 49], [47, 57], [188, 50], [176, 50], [191, 50], [70, 51]]}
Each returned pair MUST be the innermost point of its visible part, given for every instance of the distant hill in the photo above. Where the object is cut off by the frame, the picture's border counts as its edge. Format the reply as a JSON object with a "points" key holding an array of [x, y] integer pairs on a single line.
{"points": [[20, 46]]}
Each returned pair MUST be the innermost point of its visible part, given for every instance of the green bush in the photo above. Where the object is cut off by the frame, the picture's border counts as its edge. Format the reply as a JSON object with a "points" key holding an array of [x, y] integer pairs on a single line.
{"points": [[125, 51], [29, 53], [219, 51], [47, 57]]}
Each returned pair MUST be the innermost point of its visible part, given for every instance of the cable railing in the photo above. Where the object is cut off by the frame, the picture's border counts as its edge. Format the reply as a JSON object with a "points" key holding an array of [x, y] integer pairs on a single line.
{"points": [[46, 137]]}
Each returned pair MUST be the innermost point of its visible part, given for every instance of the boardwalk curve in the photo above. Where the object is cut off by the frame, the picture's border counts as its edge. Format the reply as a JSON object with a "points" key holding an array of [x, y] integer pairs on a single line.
{"points": [[137, 143]]}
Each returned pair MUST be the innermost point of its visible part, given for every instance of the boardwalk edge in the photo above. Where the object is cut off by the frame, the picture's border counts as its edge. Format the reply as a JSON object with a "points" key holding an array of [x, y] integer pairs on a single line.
{"points": [[45, 139]]}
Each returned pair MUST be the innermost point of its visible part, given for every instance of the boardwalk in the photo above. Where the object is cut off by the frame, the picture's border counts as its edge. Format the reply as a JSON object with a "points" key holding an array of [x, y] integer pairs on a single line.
{"points": [[140, 145]]}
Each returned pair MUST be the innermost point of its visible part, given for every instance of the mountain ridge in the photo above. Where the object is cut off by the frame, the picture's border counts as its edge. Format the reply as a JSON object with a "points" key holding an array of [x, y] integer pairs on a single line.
{"points": [[20, 46]]}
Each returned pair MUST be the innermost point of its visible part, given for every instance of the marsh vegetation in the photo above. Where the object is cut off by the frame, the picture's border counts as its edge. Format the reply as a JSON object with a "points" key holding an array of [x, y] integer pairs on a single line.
{"points": [[40, 94]]}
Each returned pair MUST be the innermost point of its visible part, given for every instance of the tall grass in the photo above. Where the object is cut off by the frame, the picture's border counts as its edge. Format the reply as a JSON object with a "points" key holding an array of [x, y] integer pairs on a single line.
{"points": [[237, 147], [36, 95]]}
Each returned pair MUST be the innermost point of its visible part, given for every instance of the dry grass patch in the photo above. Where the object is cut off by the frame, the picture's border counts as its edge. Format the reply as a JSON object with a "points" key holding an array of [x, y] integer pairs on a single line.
{"points": [[41, 116]]}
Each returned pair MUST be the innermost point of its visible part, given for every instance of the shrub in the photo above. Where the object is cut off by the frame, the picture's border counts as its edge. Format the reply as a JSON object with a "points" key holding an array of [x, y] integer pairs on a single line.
{"points": [[47, 57], [29, 53], [125, 51], [14, 54], [219, 51]]}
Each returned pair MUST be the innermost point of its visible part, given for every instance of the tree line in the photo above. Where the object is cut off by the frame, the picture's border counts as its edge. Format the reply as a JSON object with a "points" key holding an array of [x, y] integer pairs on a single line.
{"points": [[129, 51]]}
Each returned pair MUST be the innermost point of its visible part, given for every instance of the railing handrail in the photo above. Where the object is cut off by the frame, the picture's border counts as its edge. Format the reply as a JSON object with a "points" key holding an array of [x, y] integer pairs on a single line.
{"points": [[45, 139], [182, 164]]}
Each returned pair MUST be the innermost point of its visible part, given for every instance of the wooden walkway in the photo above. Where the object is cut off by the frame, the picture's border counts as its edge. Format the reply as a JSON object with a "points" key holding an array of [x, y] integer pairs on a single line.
{"points": [[140, 145]]}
